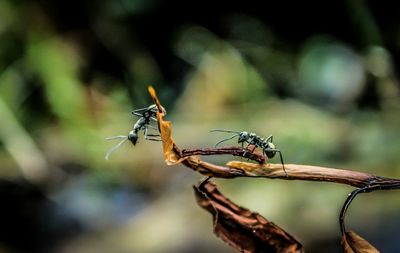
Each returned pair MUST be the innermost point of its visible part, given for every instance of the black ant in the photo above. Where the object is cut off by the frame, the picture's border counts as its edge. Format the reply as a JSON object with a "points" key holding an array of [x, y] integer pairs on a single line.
{"points": [[268, 148], [146, 115]]}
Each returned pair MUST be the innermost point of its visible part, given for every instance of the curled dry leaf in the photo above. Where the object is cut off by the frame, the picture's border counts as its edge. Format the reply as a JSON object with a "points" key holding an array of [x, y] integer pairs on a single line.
{"points": [[353, 243], [244, 230], [170, 154]]}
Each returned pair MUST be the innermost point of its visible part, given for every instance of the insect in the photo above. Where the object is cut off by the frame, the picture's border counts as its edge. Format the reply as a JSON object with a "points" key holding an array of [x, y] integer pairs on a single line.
{"points": [[146, 116], [267, 146]]}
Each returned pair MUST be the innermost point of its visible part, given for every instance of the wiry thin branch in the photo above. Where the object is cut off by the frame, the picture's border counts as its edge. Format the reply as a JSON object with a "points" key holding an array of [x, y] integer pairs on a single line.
{"points": [[235, 151]]}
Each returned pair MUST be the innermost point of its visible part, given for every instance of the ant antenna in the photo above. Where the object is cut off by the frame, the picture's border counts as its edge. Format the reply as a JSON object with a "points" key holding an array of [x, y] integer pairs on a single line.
{"points": [[111, 150], [233, 136], [225, 131], [269, 139]]}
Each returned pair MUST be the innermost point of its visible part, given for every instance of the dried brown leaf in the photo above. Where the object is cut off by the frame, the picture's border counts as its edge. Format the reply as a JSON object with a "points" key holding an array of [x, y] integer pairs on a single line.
{"points": [[242, 229], [353, 243]]}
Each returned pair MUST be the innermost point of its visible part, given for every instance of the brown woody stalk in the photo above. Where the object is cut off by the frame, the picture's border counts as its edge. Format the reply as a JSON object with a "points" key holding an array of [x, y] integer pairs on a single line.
{"points": [[287, 171]]}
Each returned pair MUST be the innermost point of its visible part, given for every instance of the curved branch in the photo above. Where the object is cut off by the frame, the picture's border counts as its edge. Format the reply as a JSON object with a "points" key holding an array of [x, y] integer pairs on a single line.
{"points": [[346, 205]]}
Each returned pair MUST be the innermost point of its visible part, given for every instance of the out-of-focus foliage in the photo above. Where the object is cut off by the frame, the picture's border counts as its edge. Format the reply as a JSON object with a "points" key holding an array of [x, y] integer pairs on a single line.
{"points": [[320, 77]]}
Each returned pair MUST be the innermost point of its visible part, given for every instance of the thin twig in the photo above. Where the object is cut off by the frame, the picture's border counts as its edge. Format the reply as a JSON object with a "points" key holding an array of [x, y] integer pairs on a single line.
{"points": [[235, 151], [346, 205]]}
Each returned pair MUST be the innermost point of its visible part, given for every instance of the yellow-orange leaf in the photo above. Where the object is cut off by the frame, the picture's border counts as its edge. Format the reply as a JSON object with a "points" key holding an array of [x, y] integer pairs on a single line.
{"points": [[155, 99], [171, 157]]}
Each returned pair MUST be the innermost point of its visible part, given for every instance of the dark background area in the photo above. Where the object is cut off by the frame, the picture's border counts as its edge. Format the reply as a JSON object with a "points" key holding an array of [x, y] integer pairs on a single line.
{"points": [[321, 76]]}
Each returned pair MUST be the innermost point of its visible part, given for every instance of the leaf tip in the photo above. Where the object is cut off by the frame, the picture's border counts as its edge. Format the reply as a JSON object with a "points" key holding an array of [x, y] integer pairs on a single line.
{"points": [[151, 91]]}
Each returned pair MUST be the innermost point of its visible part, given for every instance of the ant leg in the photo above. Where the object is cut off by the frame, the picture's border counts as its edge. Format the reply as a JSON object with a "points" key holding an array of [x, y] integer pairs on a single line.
{"points": [[147, 136], [250, 143], [153, 127], [269, 138], [283, 165], [140, 110], [153, 139], [280, 155], [254, 148], [137, 114], [153, 135], [140, 115], [245, 149]]}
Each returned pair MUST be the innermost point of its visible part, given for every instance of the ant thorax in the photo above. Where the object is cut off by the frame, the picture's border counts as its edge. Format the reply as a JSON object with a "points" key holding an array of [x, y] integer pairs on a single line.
{"points": [[140, 124]]}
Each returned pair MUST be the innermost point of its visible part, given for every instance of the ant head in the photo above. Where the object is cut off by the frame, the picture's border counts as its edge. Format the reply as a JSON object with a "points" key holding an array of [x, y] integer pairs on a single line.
{"points": [[133, 137], [243, 136], [270, 150]]}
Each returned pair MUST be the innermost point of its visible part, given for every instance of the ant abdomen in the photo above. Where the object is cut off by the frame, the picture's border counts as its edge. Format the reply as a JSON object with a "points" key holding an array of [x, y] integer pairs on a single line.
{"points": [[270, 150], [270, 154]]}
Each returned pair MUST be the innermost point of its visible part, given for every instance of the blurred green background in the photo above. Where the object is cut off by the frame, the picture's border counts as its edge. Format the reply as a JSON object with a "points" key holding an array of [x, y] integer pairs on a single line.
{"points": [[320, 76]]}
